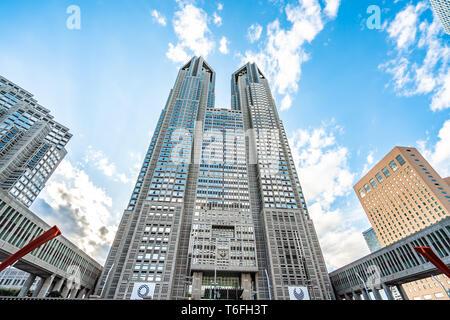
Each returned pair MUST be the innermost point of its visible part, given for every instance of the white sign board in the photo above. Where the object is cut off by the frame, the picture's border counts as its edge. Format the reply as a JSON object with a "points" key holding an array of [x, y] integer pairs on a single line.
{"points": [[142, 290], [298, 293]]}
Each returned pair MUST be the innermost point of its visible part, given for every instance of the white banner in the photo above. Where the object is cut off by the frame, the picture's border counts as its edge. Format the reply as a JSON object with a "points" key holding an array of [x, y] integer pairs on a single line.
{"points": [[298, 293], [142, 290]]}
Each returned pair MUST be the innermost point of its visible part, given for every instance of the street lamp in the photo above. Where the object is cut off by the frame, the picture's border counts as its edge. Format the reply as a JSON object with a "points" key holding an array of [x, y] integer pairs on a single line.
{"points": [[106, 280], [364, 284], [440, 283]]}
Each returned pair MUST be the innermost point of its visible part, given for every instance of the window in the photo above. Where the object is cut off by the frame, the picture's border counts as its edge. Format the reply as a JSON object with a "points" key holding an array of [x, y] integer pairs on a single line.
{"points": [[386, 172], [393, 165], [367, 187], [362, 193], [400, 160], [373, 183], [379, 177]]}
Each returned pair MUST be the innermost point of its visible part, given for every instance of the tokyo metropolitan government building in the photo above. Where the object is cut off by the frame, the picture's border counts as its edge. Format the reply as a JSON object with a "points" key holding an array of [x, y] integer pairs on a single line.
{"points": [[217, 211]]}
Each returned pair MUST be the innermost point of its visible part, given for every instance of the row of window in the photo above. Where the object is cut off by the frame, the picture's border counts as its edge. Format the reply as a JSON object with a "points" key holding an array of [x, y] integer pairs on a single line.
{"points": [[386, 173]]}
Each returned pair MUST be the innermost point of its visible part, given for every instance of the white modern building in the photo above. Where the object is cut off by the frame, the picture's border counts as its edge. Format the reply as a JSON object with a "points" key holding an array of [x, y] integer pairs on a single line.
{"points": [[442, 10], [12, 278], [31, 143], [217, 211]]}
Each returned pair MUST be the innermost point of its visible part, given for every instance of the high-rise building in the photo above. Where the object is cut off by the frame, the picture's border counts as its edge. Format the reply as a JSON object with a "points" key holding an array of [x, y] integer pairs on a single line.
{"points": [[442, 10], [12, 278], [31, 143], [401, 195], [371, 240], [217, 211]]}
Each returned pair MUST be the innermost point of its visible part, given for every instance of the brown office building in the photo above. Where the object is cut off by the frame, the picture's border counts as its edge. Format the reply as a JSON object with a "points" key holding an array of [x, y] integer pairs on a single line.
{"points": [[401, 195]]}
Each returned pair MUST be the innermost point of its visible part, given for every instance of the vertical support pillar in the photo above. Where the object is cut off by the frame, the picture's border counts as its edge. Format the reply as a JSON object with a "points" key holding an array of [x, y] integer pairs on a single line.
{"points": [[81, 293], [388, 291], [246, 283], [376, 294], [73, 293], [366, 295], [402, 292], [197, 278], [38, 287], [65, 291], [27, 285], [45, 286], [58, 285]]}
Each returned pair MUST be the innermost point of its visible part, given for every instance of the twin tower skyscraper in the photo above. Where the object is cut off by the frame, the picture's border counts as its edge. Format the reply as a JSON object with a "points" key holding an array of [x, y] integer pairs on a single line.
{"points": [[217, 211]]}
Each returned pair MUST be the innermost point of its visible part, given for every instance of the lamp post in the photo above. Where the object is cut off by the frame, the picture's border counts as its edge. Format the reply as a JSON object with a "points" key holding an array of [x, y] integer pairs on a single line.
{"points": [[440, 283], [106, 280], [268, 284], [364, 284]]}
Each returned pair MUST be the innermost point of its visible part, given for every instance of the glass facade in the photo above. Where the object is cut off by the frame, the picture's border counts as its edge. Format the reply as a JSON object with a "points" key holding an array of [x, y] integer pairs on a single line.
{"points": [[31, 143]]}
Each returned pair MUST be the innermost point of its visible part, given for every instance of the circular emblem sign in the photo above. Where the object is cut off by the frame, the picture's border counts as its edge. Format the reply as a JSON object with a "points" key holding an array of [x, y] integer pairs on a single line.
{"points": [[143, 291], [299, 295]]}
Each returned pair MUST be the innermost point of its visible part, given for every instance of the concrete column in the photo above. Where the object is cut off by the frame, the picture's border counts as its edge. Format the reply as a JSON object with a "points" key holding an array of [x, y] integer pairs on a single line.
{"points": [[81, 293], [58, 285], [38, 287], [27, 285], [402, 292], [246, 284], [357, 296], [388, 291], [65, 291], [73, 293], [197, 278], [45, 286], [366, 295], [376, 294]]}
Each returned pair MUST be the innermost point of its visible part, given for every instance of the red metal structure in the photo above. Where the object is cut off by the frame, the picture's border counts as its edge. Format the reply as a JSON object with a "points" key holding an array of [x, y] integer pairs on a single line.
{"points": [[428, 253], [43, 238]]}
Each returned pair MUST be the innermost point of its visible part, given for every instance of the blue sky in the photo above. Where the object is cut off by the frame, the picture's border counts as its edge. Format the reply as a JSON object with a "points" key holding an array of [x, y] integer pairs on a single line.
{"points": [[347, 94]]}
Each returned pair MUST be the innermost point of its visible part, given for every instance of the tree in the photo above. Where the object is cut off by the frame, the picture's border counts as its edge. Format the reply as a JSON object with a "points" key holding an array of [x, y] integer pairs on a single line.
{"points": [[55, 294]]}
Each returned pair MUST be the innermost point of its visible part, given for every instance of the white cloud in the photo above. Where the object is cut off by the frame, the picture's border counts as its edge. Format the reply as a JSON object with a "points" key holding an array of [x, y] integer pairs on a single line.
{"points": [[340, 238], [439, 154], [191, 27], [177, 54], [102, 163], [403, 29], [286, 103], [441, 100], [332, 8], [319, 155], [415, 37], [254, 32], [282, 53], [220, 6], [224, 45], [217, 19], [368, 164], [159, 18], [81, 209], [327, 180]]}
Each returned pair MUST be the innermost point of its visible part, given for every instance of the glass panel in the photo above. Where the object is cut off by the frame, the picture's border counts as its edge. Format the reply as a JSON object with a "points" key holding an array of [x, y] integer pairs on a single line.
{"points": [[393, 165], [379, 177], [400, 160], [362, 193], [386, 172]]}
